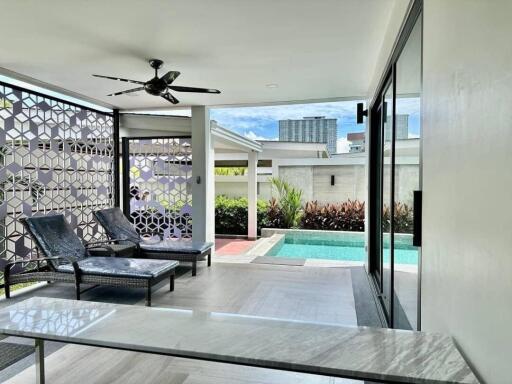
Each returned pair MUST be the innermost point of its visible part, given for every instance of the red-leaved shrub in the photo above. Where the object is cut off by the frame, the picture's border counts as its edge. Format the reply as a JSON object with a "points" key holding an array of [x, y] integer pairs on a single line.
{"points": [[345, 216]]}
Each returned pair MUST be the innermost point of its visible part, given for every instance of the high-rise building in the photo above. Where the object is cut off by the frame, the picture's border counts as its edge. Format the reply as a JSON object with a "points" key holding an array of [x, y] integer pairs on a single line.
{"points": [[316, 129], [357, 140], [401, 127]]}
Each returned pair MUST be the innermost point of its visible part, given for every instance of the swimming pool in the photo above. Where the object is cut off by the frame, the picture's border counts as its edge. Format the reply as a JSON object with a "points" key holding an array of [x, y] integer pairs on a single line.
{"points": [[339, 246]]}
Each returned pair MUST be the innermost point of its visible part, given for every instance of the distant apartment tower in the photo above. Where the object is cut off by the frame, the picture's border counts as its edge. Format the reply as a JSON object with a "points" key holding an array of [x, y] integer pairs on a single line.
{"points": [[401, 127], [357, 139], [316, 129]]}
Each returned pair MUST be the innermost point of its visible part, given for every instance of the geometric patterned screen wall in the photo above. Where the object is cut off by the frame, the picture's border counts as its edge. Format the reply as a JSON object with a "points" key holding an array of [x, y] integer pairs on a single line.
{"points": [[159, 196], [54, 158]]}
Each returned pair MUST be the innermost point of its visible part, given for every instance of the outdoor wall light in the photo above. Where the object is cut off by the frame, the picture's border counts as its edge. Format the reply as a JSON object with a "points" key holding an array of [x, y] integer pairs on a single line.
{"points": [[361, 112], [332, 179]]}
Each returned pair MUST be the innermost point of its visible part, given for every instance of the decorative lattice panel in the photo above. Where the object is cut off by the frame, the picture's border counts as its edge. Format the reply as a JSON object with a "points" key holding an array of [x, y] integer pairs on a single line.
{"points": [[54, 158], [160, 196]]}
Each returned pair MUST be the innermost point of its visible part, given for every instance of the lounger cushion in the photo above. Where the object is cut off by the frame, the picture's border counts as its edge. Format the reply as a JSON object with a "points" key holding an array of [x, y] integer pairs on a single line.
{"points": [[116, 224], [55, 237], [122, 267], [176, 246]]}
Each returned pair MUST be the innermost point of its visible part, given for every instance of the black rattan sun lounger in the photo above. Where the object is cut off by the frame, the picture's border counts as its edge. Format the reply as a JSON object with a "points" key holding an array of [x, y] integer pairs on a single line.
{"points": [[117, 226], [67, 259]]}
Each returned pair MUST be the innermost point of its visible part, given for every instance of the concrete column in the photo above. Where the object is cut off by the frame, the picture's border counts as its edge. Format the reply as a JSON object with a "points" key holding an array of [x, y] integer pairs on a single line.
{"points": [[203, 183], [252, 195]]}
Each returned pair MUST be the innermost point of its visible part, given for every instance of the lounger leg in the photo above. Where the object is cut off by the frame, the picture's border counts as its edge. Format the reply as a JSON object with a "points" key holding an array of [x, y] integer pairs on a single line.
{"points": [[210, 258], [77, 290], [148, 295], [194, 267], [7, 282], [171, 283], [7, 290], [39, 344]]}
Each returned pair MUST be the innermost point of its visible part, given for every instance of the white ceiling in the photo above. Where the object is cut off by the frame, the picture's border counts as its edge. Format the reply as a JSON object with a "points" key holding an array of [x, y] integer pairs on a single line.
{"points": [[313, 49]]}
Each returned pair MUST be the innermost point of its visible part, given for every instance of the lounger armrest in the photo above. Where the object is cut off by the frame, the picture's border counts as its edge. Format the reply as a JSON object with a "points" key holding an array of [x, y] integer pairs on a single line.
{"points": [[99, 245], [10, 264], [152, 233], [128, 240], [94, 243]]}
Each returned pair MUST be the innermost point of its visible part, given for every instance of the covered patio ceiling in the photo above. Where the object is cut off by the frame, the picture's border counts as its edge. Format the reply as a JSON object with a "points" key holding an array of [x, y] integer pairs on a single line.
{"points": [[311, 50]]}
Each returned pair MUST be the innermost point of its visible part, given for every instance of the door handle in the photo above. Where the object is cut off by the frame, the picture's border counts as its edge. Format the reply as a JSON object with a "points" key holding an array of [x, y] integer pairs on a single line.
{"points": [[417, 206]]}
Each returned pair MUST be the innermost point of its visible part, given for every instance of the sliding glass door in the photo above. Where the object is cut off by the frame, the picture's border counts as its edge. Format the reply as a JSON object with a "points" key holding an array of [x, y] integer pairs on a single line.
{"points": [[395, 183], [387, 150], [407, 181]]}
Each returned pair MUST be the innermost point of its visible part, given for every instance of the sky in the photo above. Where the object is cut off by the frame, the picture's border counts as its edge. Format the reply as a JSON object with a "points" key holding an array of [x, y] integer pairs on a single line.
{"points": [[261, 123]]}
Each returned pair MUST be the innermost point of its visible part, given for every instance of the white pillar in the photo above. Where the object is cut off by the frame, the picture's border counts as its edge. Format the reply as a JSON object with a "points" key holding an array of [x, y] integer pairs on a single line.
{"points": [[203, 193], [252, 194]]}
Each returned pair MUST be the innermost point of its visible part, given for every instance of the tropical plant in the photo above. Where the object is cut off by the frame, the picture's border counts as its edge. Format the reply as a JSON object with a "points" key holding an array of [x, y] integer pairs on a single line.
{"points": [[4, 103], [345, 216], [403, 218], [289, 202], [230, 171], [274, 216]]}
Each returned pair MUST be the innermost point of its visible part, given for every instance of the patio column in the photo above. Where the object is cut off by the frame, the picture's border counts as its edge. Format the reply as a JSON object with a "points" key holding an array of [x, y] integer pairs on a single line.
{"points": [[252, 194], [203, 183]]}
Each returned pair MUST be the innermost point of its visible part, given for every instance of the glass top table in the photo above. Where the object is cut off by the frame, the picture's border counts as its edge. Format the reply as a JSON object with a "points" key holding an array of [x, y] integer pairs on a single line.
{"points": [[363, 353]]}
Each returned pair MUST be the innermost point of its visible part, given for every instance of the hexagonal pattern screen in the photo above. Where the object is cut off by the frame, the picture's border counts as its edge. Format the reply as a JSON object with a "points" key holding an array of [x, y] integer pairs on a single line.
{"points": [[160, 196], [54, 158]]}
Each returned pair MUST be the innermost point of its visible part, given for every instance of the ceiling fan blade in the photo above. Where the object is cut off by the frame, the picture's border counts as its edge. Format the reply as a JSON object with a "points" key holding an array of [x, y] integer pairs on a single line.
{"points": [[170, 76], [120, 79], [193, 89], [167, 96], [127, 91]]}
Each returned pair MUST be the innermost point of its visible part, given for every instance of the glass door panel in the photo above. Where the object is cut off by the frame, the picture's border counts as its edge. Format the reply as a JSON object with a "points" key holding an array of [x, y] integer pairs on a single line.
{"points": [[386, 194], [407, 180], [395, 183]]}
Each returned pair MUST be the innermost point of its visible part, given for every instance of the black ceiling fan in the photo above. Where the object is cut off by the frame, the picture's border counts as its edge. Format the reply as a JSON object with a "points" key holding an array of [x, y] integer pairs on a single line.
{"points": [[159, 86]]}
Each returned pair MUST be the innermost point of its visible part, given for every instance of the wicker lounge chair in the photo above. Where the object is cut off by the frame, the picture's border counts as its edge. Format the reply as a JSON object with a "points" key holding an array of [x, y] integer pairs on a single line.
{"points": [[119, 227], [67, 259]]}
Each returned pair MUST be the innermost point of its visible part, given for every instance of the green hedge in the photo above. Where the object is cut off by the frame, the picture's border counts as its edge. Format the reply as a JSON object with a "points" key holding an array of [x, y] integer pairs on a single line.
{"points": [[231, 215]]}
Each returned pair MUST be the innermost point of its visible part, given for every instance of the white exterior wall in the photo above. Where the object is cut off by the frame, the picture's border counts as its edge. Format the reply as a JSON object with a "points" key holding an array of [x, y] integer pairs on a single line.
{"points": [[236, 186], [467, 179], [315, 182]]}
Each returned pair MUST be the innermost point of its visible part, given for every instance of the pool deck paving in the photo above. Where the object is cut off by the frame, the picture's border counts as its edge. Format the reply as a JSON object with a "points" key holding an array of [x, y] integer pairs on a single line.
{"points": [[245, 251]]}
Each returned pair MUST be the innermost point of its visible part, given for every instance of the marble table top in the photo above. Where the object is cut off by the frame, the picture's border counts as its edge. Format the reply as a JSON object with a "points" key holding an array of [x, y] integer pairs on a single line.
{"points": [[327, 349]]}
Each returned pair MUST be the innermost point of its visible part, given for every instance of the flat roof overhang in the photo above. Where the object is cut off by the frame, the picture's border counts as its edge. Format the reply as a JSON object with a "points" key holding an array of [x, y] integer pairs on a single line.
{"points": [[226, 141]]}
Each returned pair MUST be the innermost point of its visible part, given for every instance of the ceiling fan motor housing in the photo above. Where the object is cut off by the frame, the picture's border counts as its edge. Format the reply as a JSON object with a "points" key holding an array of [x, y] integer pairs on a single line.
{"points": [[155, 86], [156, 63]]}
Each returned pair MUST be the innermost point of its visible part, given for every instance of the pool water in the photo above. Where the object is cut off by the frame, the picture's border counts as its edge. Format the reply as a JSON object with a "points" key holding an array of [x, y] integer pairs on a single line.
{"points": [[338, 250]]}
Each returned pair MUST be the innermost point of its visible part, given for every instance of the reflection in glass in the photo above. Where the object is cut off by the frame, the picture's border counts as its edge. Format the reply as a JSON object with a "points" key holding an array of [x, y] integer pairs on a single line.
{"points": [[387, 131], [407, 160]]}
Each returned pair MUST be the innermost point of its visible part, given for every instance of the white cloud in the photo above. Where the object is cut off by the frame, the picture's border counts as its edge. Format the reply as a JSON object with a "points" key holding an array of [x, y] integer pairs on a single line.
{"points": [[342, 145], [291, 111], [251, 135], [263, 120]]}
